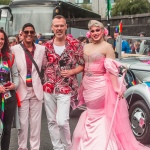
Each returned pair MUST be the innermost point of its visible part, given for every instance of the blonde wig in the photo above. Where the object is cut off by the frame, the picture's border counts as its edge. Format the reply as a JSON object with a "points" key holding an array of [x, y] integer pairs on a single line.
{"points": [[96, 23]]}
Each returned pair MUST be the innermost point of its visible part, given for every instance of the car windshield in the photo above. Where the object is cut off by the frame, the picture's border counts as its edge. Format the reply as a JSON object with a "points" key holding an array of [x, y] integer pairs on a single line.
{"points": [[133, 46]]}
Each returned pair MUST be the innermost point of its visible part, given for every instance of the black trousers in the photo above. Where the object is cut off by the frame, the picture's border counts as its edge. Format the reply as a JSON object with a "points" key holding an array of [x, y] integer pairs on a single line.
{"points": [[9, 113]]}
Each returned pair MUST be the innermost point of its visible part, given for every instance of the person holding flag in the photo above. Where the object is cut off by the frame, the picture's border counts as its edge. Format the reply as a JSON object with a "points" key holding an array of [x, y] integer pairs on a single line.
{"points": [[125, 45]]}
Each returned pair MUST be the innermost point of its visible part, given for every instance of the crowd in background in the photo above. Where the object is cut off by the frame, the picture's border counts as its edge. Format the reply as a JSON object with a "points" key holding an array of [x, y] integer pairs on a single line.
{"points": [[131, 46]]}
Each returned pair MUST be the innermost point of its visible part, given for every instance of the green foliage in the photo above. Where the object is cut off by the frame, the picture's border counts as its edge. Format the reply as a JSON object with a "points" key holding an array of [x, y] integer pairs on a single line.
{"points": [[86, 6], [130, 7], [4, 2]]}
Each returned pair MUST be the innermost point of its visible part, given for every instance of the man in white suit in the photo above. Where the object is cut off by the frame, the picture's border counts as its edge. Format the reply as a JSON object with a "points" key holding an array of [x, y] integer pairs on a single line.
{"points": [[30, 89]]}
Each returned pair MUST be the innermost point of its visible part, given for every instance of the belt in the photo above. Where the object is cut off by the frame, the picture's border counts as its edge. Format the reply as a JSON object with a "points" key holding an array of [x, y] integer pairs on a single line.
{"points": [[88, 73]]}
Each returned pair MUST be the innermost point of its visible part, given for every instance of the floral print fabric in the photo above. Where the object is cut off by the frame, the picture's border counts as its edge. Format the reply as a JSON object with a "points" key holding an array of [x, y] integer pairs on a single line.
{"points": [[71, 56]]}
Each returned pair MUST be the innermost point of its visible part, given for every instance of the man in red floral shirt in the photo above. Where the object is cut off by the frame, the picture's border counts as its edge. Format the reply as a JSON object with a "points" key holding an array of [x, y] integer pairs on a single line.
{"points": [[60, 89]]}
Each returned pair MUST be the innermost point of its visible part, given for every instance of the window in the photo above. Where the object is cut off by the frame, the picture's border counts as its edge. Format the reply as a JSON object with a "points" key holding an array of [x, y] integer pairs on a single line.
{"points": [[83, 1]]}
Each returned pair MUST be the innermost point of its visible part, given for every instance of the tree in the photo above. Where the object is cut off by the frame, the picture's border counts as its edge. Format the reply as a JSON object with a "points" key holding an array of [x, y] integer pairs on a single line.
{"points": [[130, 7], [4, 2]]}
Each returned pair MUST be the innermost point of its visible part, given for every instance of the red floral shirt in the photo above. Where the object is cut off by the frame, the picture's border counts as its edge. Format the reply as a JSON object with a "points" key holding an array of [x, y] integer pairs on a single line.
{"points": [[71, 56]]}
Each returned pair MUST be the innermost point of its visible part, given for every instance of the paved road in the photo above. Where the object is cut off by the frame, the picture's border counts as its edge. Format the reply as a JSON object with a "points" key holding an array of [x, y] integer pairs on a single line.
{"points": [[45, 139]]}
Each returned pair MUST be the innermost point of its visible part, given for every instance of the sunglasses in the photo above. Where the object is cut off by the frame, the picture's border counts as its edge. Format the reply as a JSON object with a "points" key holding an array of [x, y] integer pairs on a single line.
{"points": [[97, 30], [27, 32]]}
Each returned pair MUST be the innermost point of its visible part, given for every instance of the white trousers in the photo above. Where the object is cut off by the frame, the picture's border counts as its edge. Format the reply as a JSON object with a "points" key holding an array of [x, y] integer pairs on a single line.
{"points": [[30, 113], [57, 108]]}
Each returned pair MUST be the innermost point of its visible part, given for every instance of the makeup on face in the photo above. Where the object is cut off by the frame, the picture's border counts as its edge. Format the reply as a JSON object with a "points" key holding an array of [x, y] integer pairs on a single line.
{"points": [[97, 30]]}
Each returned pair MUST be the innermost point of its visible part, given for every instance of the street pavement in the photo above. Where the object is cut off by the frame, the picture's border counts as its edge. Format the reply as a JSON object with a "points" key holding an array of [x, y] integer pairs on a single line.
{"points": [[45, 138]]}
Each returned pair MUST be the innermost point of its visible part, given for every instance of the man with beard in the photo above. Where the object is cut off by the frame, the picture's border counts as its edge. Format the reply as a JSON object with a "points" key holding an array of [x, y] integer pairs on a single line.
{"points": [[60, 89], [30, 89]]}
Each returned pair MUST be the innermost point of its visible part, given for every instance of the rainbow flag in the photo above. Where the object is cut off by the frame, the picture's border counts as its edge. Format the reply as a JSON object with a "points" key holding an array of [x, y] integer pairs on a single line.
{"points": [[119, 28], [5, 66], [133, 82]]}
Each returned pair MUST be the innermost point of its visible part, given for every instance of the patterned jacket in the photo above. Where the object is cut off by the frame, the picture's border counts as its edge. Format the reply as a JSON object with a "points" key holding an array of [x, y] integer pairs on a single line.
{"points": [[71, 56]]}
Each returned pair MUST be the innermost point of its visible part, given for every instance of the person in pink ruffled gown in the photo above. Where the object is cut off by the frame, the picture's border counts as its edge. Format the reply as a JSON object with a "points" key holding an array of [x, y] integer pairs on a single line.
{"points": [[99, 90]]}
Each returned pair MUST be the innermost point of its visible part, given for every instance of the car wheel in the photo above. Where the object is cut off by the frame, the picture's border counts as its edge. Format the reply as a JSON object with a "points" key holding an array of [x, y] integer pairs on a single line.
{"points": [[140, 121]]}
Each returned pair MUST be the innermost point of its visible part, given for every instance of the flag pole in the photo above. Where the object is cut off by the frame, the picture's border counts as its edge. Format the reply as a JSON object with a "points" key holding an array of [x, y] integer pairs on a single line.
{"points": [[108, 16]]}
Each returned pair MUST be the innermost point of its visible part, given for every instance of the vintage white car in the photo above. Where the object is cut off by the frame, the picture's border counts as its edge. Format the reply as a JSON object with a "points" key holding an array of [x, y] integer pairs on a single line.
{"points": [[138, 85]]}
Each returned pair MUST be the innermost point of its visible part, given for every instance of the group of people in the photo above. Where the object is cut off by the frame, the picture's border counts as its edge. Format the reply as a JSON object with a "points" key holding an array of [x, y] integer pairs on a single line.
{"points": [[132, 46], [20, 71], [14, 40], [141, 46]]}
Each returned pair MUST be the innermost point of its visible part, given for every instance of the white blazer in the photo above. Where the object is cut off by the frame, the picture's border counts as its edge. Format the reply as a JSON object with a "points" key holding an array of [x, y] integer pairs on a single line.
{"points": [[22, 70]]}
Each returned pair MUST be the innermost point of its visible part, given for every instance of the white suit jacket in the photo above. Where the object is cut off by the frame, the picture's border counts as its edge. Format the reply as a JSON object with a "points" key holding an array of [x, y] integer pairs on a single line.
{"points": [[22, 70]]}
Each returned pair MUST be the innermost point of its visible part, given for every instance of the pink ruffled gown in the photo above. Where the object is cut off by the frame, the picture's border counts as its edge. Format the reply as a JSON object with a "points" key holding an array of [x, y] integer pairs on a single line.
{"points": [[91, 132]]}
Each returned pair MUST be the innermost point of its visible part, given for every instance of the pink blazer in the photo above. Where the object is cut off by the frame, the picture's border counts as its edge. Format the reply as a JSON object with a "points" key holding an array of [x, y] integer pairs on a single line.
{"points": [[22, 70]]}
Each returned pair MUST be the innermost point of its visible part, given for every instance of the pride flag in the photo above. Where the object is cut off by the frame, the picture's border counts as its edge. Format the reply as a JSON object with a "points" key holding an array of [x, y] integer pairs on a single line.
{"points": [[119, 28], [133, 82]]}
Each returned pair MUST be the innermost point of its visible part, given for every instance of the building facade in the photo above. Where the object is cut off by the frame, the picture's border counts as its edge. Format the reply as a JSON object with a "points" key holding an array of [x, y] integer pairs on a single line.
{"points": [[98, 6]]}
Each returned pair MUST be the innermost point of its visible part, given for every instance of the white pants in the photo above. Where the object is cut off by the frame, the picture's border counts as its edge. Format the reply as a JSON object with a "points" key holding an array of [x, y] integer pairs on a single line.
{"points": [[57, 108], [30, 112]]}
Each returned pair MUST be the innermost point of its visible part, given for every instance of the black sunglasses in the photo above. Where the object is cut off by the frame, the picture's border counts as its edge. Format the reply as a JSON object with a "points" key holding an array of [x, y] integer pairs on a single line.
{"points": [[97, 30], [27, 32]]}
